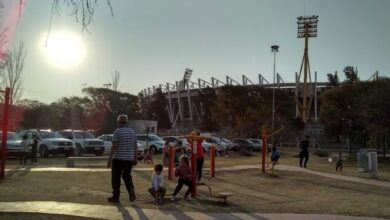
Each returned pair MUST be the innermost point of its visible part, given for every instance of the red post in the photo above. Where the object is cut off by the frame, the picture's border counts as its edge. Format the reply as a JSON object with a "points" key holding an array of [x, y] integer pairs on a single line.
{"points": [[171, 162], [4, 134], [212, 160], [264, 149], [194, 144]]}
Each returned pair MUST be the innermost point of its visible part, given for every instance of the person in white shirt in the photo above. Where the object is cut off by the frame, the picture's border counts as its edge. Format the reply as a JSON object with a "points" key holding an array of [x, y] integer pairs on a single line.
{"points": [[24, 145], [157, 190]]}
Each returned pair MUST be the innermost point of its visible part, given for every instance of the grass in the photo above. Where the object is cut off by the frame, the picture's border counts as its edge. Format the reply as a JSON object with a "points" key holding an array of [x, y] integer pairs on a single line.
{"points": [[287, 192]]}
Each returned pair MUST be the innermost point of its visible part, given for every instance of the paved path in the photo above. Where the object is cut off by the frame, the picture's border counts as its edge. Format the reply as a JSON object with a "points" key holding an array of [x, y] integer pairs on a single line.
{"points": [[119, 212]]}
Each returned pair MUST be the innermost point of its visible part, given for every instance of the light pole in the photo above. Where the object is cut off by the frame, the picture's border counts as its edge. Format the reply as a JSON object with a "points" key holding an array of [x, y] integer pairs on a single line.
{"points": [[274, 49]]}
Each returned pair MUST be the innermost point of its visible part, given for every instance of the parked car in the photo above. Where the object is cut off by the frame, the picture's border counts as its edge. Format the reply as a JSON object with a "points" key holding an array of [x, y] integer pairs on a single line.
{"points": [[257, 143], [175, 139], [217, 141], [230, 145], [49, 142], [244, 144], [14, 147], [154, 142], [84, 141], [107, 138]]}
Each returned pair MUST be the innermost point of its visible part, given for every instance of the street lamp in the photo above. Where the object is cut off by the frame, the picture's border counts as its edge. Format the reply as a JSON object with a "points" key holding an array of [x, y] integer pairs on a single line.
{"points": [[274, 49]]}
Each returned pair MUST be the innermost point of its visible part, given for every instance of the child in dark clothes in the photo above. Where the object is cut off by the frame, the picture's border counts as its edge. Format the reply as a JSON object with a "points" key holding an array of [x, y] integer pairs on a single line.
{"points": [[339, 163]]}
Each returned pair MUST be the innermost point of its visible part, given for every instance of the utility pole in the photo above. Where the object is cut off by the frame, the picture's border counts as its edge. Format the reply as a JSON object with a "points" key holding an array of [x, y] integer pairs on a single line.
{"points": [[274, 49]]}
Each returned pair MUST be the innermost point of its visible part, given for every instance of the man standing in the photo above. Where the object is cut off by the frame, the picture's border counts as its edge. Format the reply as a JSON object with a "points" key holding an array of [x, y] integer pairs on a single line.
{"points": [[304, 153], [122, 158]]}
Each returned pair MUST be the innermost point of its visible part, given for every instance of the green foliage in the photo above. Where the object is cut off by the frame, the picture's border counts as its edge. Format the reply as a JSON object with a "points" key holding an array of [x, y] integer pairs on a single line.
{"points": [[97, 111], [358, 106], [333, 80], [245, 109], [350, 74]]}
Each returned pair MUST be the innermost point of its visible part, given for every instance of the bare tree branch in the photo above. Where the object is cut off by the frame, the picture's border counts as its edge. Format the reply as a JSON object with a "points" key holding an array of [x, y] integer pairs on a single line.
{"points": [[82, 10], [11, 72]]}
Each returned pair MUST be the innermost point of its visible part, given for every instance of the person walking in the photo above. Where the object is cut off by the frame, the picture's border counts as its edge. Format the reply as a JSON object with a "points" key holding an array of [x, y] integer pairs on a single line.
{"points": [[304, 153], [122, 158]]}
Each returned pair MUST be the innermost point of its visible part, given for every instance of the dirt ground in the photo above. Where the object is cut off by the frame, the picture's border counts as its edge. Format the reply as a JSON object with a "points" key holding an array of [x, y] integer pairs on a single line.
{"points": [[287, 192]]}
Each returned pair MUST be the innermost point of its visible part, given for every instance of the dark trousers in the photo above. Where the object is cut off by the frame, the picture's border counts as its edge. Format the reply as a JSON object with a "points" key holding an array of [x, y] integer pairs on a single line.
{"points": [[34, 154], [303, 155], [23, 158], [199, 167], [121, 168], [180, 184]]}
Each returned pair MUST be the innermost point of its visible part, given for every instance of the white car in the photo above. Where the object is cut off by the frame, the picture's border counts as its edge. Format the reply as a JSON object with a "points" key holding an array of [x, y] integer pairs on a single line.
{"points": [[107, 138], [14, 147], [151, 142], [85, 142], [49, 142]]}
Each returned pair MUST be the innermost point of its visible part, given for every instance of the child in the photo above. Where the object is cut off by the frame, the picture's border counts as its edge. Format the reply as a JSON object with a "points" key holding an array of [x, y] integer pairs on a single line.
{"points": [[24, 145], [183, 171], [148, 158], [158, 190], [165, 154], [274, 156], [339, 163]]}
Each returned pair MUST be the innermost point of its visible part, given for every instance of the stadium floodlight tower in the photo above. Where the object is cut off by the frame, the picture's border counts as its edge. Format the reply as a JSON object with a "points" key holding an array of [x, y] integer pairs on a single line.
{"points": [[274, 49], [307, 27]]}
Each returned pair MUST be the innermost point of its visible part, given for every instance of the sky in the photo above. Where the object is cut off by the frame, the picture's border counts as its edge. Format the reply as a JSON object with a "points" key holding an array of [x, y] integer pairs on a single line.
{"points": [[151, 42]]}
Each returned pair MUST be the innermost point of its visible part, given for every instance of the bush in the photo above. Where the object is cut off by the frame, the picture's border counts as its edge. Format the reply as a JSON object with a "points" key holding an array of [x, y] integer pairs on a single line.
{"points": [[321, 153]]}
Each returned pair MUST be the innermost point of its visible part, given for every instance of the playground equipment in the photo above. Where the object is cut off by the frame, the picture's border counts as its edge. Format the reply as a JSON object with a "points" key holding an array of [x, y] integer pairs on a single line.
{"points": [[3, 150], [264, 137]]}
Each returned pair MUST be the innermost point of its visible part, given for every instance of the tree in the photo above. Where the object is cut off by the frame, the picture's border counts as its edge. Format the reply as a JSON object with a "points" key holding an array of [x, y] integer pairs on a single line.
{"points": [[82, 10], [333, 80], [106, 105], [350, 74], [11, 74], [116, 75], [157, 110]]}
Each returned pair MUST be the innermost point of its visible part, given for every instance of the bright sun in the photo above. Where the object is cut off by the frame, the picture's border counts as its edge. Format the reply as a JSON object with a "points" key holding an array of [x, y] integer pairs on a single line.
{"points": [[64, 49]]}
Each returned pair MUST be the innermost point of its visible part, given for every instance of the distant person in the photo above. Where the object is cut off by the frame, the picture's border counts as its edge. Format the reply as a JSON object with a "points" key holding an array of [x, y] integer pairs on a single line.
{"points": [[24, 145], [165, 154], [304, 151], [34, 148], [148, 158], [122, 158], [183, 171], [275, 155], [339, 163], [157, 190]]}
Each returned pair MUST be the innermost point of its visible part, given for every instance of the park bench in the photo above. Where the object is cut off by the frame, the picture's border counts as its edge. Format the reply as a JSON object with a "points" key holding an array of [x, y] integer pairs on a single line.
{"points": [[71, 161]]}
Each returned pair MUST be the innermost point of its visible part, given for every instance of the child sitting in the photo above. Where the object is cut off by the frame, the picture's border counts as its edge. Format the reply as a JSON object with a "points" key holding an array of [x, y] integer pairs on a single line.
{"points": [[148, 158], [339, 163], [157, 190], [274, 156], [183, 171]]}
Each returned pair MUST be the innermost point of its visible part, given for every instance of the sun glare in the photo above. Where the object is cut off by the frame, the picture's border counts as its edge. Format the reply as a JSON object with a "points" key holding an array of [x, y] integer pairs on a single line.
{"points": [[64, 49]]}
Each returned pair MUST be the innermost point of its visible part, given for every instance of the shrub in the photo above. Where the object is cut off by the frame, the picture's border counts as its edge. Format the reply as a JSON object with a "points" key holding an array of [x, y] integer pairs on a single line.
{"points": [[321, 153]]}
